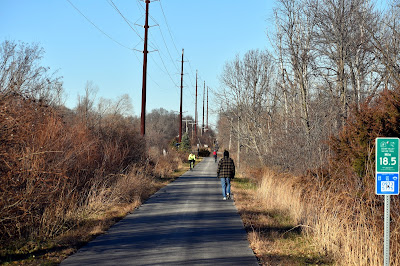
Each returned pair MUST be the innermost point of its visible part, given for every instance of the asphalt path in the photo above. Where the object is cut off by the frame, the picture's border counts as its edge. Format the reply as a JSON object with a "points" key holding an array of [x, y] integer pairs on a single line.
{"points": [[185, 223]]}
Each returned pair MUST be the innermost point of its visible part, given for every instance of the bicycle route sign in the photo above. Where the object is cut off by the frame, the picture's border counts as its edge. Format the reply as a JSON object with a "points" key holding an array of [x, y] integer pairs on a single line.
{"points": [[387, 166]]}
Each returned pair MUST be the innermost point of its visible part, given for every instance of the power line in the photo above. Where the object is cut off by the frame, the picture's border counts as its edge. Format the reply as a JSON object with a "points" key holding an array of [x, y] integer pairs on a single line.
{"points": [[165, 43], [169, 30], [166, 46], [190, 66], [172, 39], [131, 49], [160, 53], [157, 49], [150, 76], [166, 69], [127, 22], [98, 27]]}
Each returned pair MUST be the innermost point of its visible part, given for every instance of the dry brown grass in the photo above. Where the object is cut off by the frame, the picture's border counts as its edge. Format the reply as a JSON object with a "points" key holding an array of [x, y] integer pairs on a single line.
{"points": [[292, 221], [346, 227], [282, 187], [274, 235], [165, 165]]}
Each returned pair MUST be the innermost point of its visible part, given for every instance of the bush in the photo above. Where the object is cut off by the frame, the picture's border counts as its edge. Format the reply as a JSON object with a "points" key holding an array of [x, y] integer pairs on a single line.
{"points": [[204, 152], [355, 144], [50, 162]]}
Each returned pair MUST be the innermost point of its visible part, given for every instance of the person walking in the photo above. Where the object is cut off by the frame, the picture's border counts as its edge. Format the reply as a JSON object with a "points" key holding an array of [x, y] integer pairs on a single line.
{"points": [[226, 171], [215, 155], [192, 160]]}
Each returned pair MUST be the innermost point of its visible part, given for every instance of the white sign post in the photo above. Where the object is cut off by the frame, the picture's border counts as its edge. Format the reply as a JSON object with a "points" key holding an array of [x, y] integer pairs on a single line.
{"points": [[386, 182]]}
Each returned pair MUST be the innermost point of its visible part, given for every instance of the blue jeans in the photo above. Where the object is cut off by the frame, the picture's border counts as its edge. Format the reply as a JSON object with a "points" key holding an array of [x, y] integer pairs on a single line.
{"points": [[226, 186]]}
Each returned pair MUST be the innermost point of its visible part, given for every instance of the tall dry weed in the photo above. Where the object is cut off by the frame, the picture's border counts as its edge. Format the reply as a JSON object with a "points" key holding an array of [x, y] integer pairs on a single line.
{"points": [[281, 192], [166, 163], [346, 226], [133, 187]]}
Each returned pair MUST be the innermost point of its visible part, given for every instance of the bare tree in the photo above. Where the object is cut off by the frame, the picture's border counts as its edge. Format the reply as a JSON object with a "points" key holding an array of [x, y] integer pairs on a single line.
{"points": [[342, 43], [295, 26], [386, 41], [248, 96], [86, 103], [21, 73]]}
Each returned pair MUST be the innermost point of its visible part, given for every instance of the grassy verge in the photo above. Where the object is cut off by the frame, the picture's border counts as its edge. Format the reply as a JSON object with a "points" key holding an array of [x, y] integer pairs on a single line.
{"points": [[52, 252], [94, 220], [273, 230]]}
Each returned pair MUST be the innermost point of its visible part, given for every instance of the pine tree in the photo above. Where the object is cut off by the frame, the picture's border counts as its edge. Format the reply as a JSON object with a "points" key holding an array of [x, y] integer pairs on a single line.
{"points": [[185, 144]]}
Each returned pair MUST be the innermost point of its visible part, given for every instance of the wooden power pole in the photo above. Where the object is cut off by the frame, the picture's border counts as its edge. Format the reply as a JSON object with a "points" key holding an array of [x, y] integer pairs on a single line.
{"points": [[204, 92], [180, 107], [195, 113], [145, 52], [207, 111]]}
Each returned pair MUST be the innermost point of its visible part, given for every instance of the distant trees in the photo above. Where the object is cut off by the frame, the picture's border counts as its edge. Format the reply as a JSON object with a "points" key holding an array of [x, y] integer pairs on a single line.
{"points": [[329, 56], [161, 127]]}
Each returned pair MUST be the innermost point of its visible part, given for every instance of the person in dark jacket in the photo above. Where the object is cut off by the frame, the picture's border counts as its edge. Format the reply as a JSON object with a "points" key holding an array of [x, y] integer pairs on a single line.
{"points": [[226, 171]]}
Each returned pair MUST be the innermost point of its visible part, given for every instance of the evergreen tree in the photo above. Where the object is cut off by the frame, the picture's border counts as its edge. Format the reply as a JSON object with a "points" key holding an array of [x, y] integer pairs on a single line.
{"points": [[185, 144]]}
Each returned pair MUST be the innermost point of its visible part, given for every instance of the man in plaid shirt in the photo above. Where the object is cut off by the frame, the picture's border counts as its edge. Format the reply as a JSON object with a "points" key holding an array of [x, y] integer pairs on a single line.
{"points": [[226, 171]]}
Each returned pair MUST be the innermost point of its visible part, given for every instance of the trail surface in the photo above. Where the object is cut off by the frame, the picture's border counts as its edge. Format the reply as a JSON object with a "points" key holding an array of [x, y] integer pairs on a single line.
{"points": [[185, 223]]}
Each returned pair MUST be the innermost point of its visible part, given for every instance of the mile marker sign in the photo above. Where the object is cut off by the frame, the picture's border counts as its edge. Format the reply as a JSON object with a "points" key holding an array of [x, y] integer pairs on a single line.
{"points": [[387, 166]]}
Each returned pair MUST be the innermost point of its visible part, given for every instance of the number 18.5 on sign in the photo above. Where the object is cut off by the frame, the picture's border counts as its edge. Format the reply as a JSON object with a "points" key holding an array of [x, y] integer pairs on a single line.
{"points": [[387, 166]]}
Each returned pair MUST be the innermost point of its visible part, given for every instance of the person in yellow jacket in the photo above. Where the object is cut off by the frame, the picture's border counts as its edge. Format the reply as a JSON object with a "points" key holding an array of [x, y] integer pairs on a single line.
{"points": [[192, 160]]}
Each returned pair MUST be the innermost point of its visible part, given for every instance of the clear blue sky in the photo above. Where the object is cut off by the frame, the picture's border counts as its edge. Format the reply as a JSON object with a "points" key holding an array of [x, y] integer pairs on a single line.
{"points": [[211, 32]]}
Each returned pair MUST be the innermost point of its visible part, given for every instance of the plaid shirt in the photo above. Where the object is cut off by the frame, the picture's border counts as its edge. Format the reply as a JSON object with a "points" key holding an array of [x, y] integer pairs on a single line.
{"points": [[226, 168]]}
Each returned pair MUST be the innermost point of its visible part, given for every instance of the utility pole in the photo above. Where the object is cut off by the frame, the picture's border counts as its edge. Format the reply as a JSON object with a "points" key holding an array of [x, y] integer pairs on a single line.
{"points": [[145, 52], [180, 108], [204, 92], [207, 111], [195, 113], [193, 125], [186, 122], [238, 141]]}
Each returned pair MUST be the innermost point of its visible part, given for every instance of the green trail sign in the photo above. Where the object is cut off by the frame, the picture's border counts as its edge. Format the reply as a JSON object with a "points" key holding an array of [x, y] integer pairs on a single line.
{"points": [[387, 155], [387, 166]]}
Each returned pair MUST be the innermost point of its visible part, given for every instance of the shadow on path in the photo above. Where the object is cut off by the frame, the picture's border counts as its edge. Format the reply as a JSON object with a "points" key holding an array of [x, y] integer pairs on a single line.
{"points": [[185, 223]]}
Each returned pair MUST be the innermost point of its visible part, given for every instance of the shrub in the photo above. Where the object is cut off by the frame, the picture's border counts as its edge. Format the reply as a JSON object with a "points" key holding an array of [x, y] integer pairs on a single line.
{"points": [[355, 143], [50, 163], [204, 152]]}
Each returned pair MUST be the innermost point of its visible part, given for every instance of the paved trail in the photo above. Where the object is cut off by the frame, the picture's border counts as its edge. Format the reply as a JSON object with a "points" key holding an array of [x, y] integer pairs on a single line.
{"points": [[185, 223]]}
